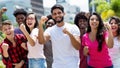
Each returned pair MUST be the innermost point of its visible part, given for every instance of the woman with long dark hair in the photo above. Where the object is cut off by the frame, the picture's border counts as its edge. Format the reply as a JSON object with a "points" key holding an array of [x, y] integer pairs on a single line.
{"points": [[115, 51], [97, 40], [35, 50]]}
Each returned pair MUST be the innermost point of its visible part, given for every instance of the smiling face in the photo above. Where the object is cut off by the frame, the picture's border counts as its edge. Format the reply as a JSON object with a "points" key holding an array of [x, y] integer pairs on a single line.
{"points": [[114, 26], [94, 22], [50, 23], [8, 30], [20, 18], [30, 21], [82, 23], [58, 15]]}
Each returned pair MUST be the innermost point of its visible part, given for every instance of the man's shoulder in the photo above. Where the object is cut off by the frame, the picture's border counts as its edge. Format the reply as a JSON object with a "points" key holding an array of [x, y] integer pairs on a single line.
{"points": [[51, 28]]}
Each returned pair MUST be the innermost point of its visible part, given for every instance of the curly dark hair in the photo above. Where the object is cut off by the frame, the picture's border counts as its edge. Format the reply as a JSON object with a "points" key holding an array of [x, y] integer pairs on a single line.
{"points": [[19, 11], [100, 30], [80, 15]]}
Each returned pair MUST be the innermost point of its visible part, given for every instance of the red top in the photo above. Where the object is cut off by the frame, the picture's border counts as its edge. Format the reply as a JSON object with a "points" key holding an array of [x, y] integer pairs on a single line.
{"points": [[83, 59], [16, 54]]}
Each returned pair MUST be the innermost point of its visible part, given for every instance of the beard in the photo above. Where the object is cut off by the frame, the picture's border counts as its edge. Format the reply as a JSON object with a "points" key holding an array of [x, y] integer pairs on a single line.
{"points": [[59, 20]]}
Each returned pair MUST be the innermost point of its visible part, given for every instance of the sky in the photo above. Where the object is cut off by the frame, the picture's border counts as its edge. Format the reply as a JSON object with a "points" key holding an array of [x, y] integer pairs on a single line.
{"points": [[83, 4]]}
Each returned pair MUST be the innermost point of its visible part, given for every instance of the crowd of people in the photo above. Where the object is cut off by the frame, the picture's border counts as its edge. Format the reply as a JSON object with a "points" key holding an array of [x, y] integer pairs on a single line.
{"points": [[88, 43]]}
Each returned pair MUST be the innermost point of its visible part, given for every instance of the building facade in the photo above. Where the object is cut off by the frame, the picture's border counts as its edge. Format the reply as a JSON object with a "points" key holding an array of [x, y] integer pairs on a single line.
{"points": [[37, 7], [12, 5]]}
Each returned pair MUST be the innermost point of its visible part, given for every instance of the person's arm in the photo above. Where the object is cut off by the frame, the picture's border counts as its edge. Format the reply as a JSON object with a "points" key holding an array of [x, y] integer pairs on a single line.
{"points": [[41, 37], [85, 51], [109, 40], [23, 45], [30, 40], [5, 55], [3, 9], [75, 40], [5, 49], [19, 65]]}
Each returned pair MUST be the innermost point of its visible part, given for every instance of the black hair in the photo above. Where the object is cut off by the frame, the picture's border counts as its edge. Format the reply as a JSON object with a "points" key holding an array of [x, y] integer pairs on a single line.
{"points": [[117, 20], [80, 15], [36, 23], [19, 11], [100, 31], [49, 17], [57, 6]]}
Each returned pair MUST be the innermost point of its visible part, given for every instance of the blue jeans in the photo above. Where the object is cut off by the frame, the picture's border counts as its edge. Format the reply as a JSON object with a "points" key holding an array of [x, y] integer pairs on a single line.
{"points": [[104, 67], [37, 63]]}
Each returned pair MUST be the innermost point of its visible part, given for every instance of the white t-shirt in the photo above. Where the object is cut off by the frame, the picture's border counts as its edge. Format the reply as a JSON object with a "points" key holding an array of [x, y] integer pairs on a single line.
{"points": [[115, 53], [64, 54], [37, 50]]}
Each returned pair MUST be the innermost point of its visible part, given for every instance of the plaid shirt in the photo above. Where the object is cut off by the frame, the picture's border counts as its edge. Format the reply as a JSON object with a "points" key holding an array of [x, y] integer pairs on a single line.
{"points": [[16, 54]]}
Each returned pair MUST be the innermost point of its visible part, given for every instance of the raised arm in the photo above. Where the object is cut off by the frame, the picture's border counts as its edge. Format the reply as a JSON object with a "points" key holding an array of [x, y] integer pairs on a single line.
{"points": [[5, 55], [41, 37], [109, 39], [4, 9], [30, 40]]}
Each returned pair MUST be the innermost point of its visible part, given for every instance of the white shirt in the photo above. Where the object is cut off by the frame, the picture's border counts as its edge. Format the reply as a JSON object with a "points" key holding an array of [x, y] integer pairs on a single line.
{"points": [[64, 54], [115, 53], [37, 50]]}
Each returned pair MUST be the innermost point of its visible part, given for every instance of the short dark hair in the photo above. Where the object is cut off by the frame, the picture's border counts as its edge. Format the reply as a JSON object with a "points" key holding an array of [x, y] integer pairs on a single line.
{"points": [[57, 6], [19, 11]]}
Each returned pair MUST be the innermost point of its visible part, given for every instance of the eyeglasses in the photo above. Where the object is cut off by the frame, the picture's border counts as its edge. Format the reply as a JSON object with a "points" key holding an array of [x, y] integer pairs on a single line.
{"points": [[50, 23], [30, 18]]}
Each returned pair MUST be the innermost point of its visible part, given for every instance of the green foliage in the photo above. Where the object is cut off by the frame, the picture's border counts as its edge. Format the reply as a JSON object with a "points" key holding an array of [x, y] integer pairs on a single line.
{"points": [[1, 63], [97, 2], [107, 9], [102, 7], [4, 17], [2, 36], [115, 5]]}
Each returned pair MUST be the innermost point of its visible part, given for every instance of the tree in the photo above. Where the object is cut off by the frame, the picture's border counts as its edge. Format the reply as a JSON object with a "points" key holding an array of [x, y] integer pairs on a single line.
{"points": [[4, 17], [107, 9]]}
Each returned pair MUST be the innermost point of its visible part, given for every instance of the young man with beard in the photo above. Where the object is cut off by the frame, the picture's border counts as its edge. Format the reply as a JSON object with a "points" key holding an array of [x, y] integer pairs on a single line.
{"points": [[65, 39]]}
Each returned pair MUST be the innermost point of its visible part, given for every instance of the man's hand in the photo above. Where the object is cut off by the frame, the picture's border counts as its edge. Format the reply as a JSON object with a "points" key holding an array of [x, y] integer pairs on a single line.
{"points": [[66, 31], [5, 47], [19, 65], [4, 9], [43, 20]]}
